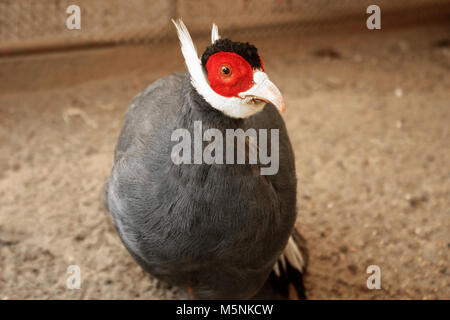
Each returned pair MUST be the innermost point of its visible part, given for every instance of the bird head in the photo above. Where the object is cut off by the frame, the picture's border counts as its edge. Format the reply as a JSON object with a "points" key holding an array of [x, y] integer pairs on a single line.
{"points": [[230, 75]]}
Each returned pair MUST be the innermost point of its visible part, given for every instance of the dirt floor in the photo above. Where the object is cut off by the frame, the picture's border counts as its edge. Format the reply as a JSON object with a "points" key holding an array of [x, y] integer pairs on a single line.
{"points": [[369, 118]]}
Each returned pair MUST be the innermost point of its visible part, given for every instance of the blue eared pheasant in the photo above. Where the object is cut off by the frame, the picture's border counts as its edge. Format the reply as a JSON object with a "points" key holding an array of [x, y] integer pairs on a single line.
{"points": [[222, 231]]}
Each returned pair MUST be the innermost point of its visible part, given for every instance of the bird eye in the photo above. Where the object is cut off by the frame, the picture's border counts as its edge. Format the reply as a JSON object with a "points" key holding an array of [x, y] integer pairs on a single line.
{"points": [[225, 70]]}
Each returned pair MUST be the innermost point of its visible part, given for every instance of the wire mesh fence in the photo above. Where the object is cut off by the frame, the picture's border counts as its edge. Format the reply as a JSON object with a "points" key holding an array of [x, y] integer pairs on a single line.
{"points": [[41, 24]]}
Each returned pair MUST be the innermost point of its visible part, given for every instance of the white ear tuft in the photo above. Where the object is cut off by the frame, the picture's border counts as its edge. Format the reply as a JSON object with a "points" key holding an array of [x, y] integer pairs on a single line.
{"points": [[214, 33], [190, 55]]}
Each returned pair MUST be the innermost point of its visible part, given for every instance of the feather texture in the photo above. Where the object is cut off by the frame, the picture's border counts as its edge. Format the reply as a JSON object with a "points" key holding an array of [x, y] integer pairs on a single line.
{"points": [[214, 33]]}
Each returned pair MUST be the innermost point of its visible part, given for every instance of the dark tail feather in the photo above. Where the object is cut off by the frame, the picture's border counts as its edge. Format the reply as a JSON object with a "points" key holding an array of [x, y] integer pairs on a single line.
{"points": [[288, 272]]}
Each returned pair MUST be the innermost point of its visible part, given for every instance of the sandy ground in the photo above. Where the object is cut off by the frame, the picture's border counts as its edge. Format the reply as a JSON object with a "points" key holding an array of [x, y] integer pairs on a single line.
{"points": [[369, 119]]}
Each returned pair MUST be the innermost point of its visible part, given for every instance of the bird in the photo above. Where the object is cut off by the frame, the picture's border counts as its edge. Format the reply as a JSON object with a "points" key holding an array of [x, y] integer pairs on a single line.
{"points": [[219, 230]]}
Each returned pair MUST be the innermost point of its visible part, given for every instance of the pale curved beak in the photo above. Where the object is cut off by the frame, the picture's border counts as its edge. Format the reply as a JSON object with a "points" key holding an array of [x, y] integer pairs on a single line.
{"points": [[265, 90]]}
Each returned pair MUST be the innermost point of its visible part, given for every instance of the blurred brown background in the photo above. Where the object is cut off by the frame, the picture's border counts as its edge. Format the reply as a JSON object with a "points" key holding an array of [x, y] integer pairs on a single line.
{"points": [[27, 25], [367, 111]]}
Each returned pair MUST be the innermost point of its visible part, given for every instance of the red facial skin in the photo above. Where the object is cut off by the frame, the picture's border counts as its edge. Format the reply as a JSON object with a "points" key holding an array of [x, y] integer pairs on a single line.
{"points": [[239, 79]]}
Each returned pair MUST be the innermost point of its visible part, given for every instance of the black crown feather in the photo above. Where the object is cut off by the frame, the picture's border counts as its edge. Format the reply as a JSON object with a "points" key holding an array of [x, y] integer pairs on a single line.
{"points": [[245, 50]]}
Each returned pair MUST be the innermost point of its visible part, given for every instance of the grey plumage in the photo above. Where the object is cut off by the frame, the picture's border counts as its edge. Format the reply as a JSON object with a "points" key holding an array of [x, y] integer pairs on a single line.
{"points": [[216, 228]]}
